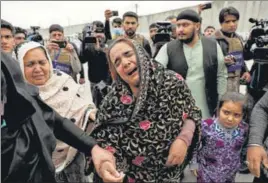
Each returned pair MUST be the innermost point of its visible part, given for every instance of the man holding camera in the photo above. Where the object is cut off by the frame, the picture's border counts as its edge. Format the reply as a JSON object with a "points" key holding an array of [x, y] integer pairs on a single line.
{"points": [[173, 20], [256, 49], [199, 60], [93, 52], [116, 25], [232, 48], [63, 54]]}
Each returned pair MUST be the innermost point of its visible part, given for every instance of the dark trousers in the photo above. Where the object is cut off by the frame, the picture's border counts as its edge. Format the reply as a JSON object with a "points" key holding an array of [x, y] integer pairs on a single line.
{"points": [[75, 172], [263, 178]]}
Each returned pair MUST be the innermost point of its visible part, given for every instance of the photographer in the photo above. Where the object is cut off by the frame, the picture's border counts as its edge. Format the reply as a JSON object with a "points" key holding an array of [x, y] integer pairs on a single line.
{"points": [[160, 34], [116, 25], [232, 47], [63, 54], [256, 49], [35, 36], [173, 20], [93, 52]]}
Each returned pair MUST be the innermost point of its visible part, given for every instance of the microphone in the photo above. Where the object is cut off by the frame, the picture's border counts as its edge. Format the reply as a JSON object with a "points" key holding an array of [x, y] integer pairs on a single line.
{"points": [[252, 20]]}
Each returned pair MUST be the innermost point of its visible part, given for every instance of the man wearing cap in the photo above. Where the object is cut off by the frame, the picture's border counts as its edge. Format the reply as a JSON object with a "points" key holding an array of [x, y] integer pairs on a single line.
{"points": [[63, 54], [199, 60], [7, 37]]}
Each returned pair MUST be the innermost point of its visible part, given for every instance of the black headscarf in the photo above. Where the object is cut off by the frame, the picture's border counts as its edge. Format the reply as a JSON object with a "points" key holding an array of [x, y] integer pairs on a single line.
{"points": [[27, 141], [135, 126]]}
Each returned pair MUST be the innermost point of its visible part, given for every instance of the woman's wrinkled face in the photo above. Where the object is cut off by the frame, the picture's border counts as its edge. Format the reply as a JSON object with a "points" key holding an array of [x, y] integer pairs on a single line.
{"points": [[36, 67], [124, 59]]}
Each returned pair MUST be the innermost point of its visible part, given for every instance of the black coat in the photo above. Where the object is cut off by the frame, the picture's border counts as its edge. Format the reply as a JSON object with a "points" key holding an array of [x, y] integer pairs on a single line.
{"points": [[27, 140]]}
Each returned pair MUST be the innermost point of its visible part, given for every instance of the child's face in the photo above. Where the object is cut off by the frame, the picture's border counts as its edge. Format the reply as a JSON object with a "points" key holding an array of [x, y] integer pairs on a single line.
{"points": [[230, 114]]}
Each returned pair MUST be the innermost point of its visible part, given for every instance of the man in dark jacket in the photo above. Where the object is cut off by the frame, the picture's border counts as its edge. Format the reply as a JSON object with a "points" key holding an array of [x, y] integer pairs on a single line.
{"points": [[94, 54], [28, 127], [232, 48], [257, 154]]}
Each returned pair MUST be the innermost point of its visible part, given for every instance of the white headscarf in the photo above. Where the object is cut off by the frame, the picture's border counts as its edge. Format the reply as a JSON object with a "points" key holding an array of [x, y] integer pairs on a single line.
{"points": [[27, 46], [75, 102]]}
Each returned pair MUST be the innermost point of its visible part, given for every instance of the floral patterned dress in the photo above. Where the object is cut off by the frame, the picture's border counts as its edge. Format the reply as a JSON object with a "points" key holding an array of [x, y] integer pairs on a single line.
{"points": [[219, 156], [139, 131]]}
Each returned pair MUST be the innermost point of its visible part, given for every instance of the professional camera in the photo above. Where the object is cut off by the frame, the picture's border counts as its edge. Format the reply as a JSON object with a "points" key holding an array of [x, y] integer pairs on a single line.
{"points": [[259, 37], [257, 46], [163, 34], [35, 36], [90, 30]]}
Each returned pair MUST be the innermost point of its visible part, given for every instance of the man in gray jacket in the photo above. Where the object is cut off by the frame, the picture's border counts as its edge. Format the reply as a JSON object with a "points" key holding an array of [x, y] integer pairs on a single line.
{"points": [[257, 154]]}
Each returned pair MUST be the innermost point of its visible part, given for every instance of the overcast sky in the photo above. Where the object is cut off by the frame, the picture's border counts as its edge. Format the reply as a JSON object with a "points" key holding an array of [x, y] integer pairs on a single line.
{"points": [[45, 13]]}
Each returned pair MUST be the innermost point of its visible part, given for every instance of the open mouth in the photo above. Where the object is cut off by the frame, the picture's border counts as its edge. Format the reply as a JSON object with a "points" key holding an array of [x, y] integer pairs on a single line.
{"points": [[39, 77], [134, 70]]}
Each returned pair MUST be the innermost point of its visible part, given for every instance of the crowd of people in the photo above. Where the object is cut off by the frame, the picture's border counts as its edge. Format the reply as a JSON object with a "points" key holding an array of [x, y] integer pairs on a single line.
{"points": [[150, 109]]}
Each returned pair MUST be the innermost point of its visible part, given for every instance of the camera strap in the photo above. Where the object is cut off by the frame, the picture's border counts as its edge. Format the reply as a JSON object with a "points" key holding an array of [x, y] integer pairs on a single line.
{"points": [[57, 55]]}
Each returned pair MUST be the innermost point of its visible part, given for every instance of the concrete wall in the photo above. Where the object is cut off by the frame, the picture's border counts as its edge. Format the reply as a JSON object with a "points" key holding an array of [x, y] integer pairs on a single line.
{"points": [[69, 30], [247, 9]]}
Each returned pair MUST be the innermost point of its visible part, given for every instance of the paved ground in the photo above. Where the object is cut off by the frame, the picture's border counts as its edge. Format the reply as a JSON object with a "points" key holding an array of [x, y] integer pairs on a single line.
{"points": [[190, 178]]}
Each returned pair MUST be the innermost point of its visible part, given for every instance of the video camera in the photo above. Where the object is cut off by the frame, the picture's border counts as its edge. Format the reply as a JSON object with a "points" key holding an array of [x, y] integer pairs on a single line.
{"points": [[35, 36], [163, 34], [258, 47], [89, 29], [90, 36], [259, 36]]}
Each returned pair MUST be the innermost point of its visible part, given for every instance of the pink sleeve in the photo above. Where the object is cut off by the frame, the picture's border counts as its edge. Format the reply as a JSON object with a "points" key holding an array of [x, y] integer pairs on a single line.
{"points": [[187, 132]]}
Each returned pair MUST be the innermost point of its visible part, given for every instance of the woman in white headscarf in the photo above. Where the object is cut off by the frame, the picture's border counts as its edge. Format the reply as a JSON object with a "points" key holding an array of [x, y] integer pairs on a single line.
{"points": [[68, 98]]}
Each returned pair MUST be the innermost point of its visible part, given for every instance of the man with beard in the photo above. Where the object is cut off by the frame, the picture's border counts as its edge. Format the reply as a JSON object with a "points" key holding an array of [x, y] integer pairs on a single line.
{"points": [[199, 60], [130, 25], [152, 32], [95, 56]]}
